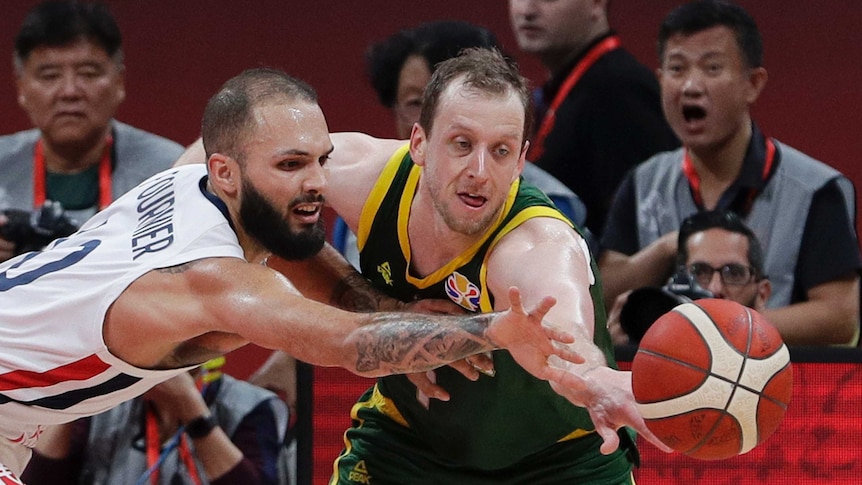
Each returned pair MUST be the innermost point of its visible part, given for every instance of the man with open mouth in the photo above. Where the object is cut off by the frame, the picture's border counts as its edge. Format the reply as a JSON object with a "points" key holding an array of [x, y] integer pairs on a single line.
{"points": [[802, 210]]}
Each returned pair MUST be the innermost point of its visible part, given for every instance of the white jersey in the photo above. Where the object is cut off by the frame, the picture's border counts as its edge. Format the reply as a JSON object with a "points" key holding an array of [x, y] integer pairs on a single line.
{"points": [[54, 364]]}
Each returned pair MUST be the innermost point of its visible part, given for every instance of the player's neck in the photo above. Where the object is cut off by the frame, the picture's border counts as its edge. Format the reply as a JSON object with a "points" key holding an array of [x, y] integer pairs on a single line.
{"points": [[432, 243], [253, 251]]}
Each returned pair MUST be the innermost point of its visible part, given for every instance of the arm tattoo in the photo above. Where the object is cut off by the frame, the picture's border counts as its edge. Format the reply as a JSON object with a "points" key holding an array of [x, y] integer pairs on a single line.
{"points": [[355, 293], [408, 342]]}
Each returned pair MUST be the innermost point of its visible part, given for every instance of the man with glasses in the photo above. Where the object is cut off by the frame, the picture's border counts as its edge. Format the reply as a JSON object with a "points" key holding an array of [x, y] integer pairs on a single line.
{"points": [[724, 257], [718, 255]]}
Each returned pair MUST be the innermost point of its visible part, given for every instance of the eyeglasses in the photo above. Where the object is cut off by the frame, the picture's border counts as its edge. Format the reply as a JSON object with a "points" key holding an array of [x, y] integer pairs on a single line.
{"points": [[732, 274]]}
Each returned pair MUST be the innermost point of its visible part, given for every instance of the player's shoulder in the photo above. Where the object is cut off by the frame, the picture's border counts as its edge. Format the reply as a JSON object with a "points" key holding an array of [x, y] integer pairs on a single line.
{"points": [[355, 146], [548, 232]]}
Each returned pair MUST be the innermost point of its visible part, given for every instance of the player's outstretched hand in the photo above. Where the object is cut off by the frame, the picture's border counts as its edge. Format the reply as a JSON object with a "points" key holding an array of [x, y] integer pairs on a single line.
{"points": [[607, 395], [530, 341]]}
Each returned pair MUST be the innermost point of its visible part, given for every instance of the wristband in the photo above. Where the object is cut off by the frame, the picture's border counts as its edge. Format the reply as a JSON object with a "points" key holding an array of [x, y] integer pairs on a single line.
{"points": [[201, 426]]}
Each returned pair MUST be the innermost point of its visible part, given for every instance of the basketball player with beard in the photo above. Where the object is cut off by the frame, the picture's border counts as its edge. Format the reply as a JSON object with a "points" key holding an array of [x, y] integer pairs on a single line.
{"points": [[168, 277]]}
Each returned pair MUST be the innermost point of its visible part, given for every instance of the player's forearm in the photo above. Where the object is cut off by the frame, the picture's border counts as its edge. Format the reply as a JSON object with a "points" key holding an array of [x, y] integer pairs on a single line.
{"points": [[329, 278], [397, 343], [584, 346]]}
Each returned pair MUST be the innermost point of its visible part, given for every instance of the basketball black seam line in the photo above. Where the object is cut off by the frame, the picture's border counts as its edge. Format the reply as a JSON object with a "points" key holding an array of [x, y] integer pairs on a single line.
{"points": [[709, 373]]}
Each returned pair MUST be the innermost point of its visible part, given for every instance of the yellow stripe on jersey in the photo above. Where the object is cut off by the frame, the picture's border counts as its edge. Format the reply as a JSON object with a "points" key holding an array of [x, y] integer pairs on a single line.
{"points": [[378, 192], [578, 433]]}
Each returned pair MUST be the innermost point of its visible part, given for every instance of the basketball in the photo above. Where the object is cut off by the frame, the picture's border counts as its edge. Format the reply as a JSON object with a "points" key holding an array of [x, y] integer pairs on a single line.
{"points": [[712, 379]]}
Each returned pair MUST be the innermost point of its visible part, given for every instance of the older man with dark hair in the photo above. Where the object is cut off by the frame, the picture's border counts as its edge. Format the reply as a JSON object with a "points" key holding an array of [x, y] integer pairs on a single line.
{"points": [[70, 79]]}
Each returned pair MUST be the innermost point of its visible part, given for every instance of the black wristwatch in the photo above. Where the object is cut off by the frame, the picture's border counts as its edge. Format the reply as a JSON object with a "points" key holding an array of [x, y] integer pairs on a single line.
{"points": [[201, 426]]}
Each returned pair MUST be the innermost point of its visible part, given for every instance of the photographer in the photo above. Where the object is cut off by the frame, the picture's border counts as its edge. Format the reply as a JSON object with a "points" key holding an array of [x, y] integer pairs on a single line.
{"points": [[718, 257], [23, 231]]}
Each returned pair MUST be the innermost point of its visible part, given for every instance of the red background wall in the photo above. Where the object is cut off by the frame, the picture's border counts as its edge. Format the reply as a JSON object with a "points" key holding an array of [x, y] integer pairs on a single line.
{"points": [[816, 443], [813, 445], [179, 52]]}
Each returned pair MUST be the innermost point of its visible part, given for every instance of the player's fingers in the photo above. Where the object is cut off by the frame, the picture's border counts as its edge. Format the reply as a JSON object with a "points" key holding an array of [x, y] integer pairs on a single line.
{"points": [[656, 442], [425, 385], [466, 369], [610, 437], [544, 306], [558, 335], [641, 429], [568, 354], [483, 363], [515, 300]]}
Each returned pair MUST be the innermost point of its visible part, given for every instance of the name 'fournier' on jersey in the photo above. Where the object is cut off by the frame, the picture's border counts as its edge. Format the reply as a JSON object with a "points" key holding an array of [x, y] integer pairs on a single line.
{"points": [[155, 229]]}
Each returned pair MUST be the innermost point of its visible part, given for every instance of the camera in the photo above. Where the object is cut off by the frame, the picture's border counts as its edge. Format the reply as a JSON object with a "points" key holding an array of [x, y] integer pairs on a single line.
{"points": [[33, 230], [645, 305]]}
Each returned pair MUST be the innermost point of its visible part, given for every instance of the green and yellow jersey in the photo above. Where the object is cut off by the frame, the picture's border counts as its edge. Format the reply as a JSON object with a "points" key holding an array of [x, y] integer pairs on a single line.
{"points": [[495, 421]]}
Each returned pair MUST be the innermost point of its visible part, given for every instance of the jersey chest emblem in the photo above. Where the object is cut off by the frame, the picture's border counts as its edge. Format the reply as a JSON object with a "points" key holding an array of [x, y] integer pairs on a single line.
{"points": [[385, 272], [463, 291]]}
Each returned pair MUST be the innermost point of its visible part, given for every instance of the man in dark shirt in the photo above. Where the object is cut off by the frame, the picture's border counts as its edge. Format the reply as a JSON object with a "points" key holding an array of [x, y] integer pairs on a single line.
{"points": [[599, 113]]}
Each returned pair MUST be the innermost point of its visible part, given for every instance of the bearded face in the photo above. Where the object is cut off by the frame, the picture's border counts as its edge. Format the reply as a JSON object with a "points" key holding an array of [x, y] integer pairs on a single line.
{"points": [[273, 228]]}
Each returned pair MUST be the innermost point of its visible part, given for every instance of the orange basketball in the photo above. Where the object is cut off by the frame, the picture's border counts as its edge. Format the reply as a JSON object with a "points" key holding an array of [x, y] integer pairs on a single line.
{"points": [[712, 378]]}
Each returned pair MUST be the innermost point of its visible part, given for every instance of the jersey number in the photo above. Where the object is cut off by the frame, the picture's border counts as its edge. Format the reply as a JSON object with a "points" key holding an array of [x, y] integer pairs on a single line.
{"points": [[7, 283]]}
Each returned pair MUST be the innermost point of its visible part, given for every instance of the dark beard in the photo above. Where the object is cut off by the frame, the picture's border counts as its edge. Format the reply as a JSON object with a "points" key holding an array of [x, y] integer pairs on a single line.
{"points": [[262, 221]]}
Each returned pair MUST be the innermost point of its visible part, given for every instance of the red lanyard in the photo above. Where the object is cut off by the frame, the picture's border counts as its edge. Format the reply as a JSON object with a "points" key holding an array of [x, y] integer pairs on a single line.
{"points": [[537, 146], [694, 178], [154, 450], [40, 174]]}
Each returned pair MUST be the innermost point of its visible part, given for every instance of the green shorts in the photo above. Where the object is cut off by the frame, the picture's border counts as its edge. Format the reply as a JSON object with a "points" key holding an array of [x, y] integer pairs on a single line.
{"points": [[381, 451]]}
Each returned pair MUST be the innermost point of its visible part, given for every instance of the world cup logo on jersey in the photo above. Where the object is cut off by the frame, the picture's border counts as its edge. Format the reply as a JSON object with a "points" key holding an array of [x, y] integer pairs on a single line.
{"points": [[462, 291]]}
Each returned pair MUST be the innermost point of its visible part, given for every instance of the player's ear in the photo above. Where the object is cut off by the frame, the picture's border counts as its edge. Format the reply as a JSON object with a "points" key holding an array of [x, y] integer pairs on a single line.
{"points": [[522, 158], [418, 144], [223, 173]]}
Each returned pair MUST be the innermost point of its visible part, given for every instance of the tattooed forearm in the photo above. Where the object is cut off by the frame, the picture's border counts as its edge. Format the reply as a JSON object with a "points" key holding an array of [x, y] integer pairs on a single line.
{"points": [[411, 342], [355, 293]]}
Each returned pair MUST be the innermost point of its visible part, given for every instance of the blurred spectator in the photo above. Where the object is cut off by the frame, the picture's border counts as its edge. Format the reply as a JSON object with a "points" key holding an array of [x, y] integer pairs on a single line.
{"points": [[802, 211], [198, 427], [599, 114], [70, 80], [400, 66]]}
